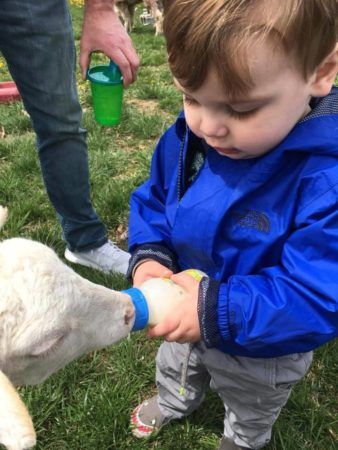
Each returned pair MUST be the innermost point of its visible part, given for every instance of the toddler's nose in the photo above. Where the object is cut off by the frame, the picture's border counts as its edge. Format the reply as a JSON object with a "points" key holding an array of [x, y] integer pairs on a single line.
{"points": [[213, 127]]}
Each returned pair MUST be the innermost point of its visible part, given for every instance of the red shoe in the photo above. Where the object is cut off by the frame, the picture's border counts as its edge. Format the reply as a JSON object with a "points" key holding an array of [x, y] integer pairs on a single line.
{"points": [[147, 418]]}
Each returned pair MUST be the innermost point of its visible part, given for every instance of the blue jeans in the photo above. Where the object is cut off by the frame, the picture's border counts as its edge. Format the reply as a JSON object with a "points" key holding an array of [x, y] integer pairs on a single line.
{"points": [[36, 39]]}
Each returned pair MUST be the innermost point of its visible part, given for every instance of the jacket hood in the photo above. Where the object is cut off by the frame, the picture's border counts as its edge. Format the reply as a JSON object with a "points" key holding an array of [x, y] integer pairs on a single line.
{"points": [[318, 131]]}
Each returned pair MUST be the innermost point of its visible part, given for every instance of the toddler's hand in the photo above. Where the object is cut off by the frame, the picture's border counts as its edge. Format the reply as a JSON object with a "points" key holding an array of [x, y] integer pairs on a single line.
{"points": [[181, 325], [150, 269]]}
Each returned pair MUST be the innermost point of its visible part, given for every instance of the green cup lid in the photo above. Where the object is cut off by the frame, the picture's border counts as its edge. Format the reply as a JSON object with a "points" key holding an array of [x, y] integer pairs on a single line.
{"points": [[108, 75]]}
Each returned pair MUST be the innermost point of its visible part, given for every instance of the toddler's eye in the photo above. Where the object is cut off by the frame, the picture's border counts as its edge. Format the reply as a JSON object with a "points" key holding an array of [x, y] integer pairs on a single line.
{"points": [[241, 114], [188, 100]]}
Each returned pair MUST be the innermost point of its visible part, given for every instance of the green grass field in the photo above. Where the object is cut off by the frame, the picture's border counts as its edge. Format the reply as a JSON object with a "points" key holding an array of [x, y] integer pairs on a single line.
{"points": [[87, 405]]}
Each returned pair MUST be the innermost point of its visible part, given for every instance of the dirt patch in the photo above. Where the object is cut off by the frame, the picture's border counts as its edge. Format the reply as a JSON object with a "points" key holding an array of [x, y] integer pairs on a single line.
{"points": [[144, 105]]}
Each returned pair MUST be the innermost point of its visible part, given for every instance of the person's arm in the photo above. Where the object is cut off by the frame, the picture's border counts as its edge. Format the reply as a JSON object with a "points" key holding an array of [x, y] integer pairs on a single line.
{"points": [[102, 31], [284, 309], [149, 230], [287, 308]]}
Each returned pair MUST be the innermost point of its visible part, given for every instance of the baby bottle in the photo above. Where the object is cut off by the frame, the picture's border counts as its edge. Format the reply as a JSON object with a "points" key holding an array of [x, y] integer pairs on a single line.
{"points": [[156, 297]]}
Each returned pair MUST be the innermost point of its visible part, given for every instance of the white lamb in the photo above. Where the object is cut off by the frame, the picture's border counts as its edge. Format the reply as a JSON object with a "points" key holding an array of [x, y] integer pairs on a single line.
{"points": [[49, 315]]}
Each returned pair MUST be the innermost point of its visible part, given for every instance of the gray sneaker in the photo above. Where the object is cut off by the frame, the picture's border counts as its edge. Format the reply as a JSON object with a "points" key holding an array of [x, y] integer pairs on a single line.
{"points": [[147, 418], [107, 258]]}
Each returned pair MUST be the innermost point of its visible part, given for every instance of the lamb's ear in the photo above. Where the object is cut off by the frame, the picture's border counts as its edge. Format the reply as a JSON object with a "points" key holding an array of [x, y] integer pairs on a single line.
{"points": [[47, 345], [16, 426]]}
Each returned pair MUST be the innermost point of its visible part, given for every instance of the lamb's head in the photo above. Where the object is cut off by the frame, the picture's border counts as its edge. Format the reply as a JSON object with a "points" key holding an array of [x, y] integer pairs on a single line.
{"points": [[49, 315]]}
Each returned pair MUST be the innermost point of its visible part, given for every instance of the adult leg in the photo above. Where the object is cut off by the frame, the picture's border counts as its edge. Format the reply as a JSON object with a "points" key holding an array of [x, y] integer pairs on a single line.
{"points": [[36, 40]]}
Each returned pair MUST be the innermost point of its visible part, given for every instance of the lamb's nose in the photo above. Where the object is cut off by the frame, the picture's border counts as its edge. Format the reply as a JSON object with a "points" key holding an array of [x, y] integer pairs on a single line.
{"points": [[129, 315]]}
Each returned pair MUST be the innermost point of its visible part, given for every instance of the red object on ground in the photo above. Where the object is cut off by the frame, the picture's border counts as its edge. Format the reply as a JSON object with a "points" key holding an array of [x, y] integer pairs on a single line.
{"points": [[8, 92]]}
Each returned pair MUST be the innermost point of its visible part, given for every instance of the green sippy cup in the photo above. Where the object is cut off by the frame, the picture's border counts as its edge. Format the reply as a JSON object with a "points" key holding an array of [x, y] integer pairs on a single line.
{"points": [[107, 91]]}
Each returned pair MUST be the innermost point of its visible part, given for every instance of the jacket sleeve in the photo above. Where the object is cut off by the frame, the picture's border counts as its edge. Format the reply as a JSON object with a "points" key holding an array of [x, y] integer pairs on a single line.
{"points": [[149, 228], [284, 309]]}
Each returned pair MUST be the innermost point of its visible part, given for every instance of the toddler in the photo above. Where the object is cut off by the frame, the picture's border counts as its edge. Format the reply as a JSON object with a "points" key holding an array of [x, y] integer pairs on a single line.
{"points": [[244, 187]]}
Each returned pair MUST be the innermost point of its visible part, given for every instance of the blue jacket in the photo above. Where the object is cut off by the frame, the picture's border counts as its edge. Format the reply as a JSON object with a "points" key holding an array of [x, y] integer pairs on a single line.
{"points": [[265, 230]]}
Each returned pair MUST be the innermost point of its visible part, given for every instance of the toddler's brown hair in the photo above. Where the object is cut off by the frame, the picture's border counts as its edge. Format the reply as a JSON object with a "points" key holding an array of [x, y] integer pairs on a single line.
{"points": [[217, 33]]}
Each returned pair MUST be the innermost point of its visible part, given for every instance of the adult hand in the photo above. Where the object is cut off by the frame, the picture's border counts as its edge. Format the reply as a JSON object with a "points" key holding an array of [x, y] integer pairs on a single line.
{"points": [[102, 31], [182, 324], [150, 269]]}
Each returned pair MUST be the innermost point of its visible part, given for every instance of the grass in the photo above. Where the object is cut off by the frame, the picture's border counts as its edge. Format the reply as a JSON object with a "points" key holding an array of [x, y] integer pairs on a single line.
{"points": [[87, 405]]}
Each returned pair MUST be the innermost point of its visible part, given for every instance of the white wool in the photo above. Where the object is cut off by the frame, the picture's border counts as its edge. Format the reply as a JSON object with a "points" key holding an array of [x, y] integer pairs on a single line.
{"points": [[49, 315]]}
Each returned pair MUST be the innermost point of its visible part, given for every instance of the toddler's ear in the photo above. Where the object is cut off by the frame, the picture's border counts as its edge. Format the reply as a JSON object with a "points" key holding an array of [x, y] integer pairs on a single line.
{"points": [[325, 74]]}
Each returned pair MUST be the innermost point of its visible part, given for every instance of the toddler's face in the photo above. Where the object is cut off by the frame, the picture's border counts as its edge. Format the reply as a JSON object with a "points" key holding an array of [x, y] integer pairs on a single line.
{"points": [[248, 127]]}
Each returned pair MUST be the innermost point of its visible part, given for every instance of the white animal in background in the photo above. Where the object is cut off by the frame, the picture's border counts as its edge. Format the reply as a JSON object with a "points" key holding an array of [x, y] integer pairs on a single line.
{"points": [[155, 8], [126, 11], [49, 315]]}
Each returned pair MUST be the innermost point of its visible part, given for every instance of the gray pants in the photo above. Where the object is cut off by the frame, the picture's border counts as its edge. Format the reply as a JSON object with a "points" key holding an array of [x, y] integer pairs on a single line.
{"points": [[253, 390]]}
